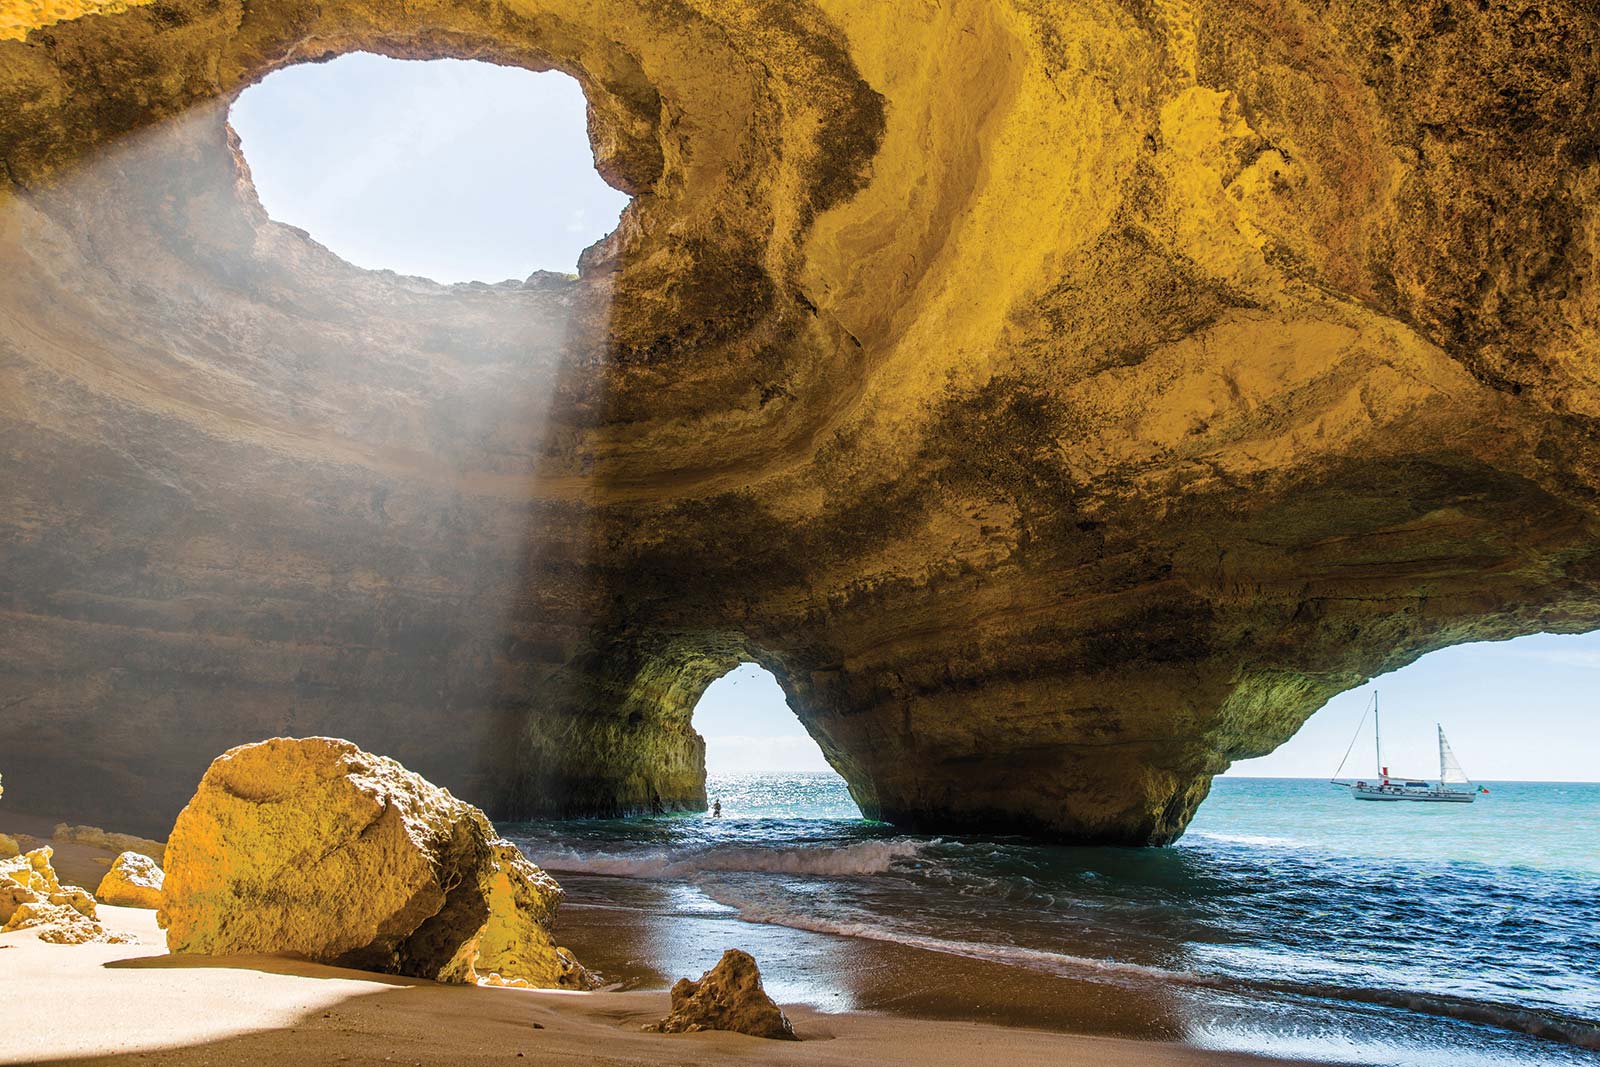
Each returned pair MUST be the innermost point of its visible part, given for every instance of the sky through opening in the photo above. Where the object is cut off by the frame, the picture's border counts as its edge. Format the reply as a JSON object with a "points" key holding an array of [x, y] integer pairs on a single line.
{"points": [[1520, 710], [447, 169], [749, 728]]}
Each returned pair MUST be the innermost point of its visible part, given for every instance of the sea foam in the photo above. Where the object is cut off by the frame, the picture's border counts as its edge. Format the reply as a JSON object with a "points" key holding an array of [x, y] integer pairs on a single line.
{"points": [[860, 859]]}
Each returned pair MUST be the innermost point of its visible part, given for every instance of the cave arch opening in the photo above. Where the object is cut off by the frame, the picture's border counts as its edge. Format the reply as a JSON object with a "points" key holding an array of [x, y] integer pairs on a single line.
{"points": [[1516, 710], [760, 761], [1519, 715], [451, 170]]}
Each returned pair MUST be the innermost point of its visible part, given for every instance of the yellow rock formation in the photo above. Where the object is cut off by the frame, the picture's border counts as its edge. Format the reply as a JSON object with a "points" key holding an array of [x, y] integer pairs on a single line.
{"points": [[1063, 400], [17, 17], [315, 848], [729, 996], [32, 896], [95, 837], [134, 881]]}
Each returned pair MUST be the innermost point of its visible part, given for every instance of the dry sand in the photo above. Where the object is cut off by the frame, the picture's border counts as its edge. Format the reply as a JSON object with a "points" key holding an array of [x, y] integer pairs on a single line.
{"points": [[135, 1003]]}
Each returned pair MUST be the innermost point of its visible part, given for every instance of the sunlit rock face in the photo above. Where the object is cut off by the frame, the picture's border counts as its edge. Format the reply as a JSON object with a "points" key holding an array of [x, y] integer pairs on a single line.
{"points": [[1062, 400], [311, 847]]}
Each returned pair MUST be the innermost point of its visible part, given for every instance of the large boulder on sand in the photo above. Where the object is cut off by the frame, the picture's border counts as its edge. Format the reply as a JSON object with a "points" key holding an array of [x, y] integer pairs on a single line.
{"points": [[727, 997], [134, 881], [312, 847]]}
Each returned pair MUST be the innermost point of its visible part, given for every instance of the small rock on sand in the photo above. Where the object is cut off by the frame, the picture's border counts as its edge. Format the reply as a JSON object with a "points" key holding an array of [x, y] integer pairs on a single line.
{"points": [[94, 837], [134, 881], [727, 997], [31, 896]]}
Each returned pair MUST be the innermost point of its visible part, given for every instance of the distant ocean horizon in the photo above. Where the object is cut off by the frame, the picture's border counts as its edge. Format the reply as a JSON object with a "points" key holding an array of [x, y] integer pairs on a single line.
{"points": [[1291, 919], [1348, 777]]}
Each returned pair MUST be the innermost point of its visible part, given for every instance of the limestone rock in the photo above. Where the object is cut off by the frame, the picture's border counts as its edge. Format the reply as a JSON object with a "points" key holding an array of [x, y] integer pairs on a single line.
{"points": [[727, 997], [62, 924], [9, 849], [17, 19], [134, 881], [1063, 400], [95, 837], [30, 879], [31, 896], [515, 942], [312, 847]]}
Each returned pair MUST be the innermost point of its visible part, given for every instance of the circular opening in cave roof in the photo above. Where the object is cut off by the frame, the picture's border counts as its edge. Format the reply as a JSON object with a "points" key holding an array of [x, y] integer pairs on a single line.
{"points": [[452, 170]]}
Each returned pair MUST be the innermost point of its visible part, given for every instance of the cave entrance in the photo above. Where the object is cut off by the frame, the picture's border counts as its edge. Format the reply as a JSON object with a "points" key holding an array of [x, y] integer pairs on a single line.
{"points": [[1517, 710], [760, 762], [1520, 717], [451, 170]]}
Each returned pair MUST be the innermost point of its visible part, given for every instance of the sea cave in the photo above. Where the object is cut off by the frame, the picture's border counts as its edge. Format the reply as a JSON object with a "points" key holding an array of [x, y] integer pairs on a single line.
{"points": [[1061, 401]]}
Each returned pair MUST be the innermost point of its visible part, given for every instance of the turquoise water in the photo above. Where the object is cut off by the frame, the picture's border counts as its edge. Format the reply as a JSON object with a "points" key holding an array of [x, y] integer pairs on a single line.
{"points": [[1292, 919], [1548, 826]]}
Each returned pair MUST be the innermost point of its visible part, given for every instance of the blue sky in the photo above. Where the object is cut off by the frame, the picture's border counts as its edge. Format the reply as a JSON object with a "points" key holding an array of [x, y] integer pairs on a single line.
{"points": [[749, 728], [1522, 710], [452, 170]]}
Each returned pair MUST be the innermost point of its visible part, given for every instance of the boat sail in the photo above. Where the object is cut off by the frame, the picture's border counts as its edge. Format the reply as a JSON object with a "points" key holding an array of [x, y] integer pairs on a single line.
{"points": [[1450, 772], [1390, 787]]}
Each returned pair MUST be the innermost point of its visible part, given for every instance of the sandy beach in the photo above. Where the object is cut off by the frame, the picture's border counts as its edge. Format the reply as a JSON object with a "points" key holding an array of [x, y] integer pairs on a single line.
{"points": [[100, 1003], [134, 1003]]}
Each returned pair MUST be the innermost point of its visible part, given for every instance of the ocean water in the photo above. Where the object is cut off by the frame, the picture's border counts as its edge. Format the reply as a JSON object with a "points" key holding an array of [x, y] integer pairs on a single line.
{"points": [[1290, 920]]}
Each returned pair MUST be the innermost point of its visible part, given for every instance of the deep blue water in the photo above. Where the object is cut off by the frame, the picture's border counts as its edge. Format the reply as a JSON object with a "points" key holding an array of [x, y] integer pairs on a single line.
{"points": [[1291, 919]]}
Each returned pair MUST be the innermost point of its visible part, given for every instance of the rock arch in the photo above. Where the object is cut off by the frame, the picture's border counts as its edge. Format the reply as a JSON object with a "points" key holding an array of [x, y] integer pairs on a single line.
{"points": [[1063, 400]]}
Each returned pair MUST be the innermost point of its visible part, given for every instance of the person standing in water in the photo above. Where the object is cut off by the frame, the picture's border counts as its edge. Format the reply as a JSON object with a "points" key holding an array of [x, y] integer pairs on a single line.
{"points": [[716, 809]]}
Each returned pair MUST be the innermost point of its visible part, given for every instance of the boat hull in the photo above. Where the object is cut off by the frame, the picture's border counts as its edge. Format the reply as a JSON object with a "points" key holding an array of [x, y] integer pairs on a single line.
{"points": [[1414, 796]]}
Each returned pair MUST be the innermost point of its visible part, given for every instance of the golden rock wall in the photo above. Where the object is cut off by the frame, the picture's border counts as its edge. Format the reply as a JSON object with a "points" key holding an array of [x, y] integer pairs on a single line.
{"points": [[1062, 399]]}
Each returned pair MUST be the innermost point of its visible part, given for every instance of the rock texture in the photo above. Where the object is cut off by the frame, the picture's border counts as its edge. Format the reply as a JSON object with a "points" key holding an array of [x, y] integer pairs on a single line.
{"points": [[134, 881], [727, 997], [314, 848], [29, 879], [95, 837], [32, 897], [1062, 399]]}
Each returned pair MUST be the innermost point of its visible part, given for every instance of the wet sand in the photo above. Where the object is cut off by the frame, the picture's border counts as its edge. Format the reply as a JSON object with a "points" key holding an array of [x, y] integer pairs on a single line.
{"points": [[853, 1001], [109, 1004], [649, 947]]}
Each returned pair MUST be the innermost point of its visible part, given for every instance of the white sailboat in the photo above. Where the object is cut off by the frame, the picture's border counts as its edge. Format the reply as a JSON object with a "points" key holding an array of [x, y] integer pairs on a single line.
{"points": [[1391, 787]]}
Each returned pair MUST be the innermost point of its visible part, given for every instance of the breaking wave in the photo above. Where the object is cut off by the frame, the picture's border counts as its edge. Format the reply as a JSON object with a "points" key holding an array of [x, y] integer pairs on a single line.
{"points": [[1550, 1026], [855, 860], [1282, 899]]}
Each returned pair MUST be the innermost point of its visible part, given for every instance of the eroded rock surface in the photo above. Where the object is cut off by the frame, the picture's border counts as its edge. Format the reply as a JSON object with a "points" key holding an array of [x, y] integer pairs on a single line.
{"points": [[727, 997], [134, 881], [1063, 400], [30, 879], [311, 847], [95, 837], [32, 897]]}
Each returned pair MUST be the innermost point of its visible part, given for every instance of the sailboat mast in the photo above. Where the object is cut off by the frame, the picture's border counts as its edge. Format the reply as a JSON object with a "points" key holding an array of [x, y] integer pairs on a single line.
{"points": [[1440, 728], [1377, 739]]}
